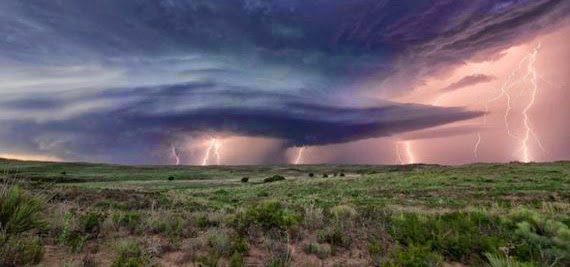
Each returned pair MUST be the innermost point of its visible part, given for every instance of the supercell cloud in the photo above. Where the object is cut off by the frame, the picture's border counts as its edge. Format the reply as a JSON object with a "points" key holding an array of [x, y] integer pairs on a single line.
{"points": [[117, 80]]}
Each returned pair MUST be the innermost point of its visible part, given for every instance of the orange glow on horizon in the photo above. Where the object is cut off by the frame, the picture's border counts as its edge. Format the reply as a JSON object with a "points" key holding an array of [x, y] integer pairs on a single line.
{"points": [[29, 157]]}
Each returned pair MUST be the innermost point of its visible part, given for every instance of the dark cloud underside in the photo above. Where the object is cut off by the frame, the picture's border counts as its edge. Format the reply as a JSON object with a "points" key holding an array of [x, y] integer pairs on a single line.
{"points": [[468, 81]]}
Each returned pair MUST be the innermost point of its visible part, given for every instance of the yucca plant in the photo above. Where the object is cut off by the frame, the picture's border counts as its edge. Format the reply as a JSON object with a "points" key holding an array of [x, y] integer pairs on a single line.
{"points": [[20, 211], [503, 261], [20, 219]]}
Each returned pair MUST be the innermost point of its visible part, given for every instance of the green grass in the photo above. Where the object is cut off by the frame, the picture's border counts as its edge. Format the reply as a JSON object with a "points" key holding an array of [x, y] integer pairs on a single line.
{"points": [[414, 215]]}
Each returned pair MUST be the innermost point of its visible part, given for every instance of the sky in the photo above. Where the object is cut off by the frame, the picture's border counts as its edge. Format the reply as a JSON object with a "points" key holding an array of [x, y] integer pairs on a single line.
{"points": [[206, 82]]}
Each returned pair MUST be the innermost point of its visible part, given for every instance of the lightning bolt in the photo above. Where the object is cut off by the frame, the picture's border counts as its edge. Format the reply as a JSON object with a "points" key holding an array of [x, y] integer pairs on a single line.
{"points": [[214, 145], [476, 148], [531, 71], [409, 152], [299, 158], [505, 91], [175, 155], [410, 158]]}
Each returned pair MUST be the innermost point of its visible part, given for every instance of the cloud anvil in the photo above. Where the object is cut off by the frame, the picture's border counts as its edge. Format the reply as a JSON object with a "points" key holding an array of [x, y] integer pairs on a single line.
{"points": [[118, 81]]}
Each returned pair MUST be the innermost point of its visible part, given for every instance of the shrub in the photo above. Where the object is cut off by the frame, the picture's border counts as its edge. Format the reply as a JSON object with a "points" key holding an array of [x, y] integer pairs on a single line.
{"points": [[334, 236], [21, 250], [19, 211], [170, 178], [69, 235], [502, 261], [239, 244], [281, 256], [129, 219], [237, 260], [91, 221], [413, 256], [321, 251], [269, 214], [540, 238], [313, 217], [459, 236], [245, 179], [20, 220], [344, 215], [376, 251], [166, 223], [274, 178], [220, 242], [129, 254]]}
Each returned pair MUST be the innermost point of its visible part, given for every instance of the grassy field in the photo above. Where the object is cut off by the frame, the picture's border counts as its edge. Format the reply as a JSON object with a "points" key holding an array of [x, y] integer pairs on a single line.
{"points": [[319, 215]]}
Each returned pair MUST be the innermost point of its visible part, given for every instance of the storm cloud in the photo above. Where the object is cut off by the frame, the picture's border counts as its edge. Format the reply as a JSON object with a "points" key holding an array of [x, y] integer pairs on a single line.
{"points": [[468, 81], [85, 79]]}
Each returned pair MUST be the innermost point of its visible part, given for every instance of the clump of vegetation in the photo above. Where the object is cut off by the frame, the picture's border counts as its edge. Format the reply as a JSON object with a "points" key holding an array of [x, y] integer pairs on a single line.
{"points": [[269, 215], [313, 217], [320, 250], [220, 242], [129, 254], [545, 239], [131, 220], [458, 236], [237, 260], [344, 215], [70, 235], [166, 223], [170, 178], [226, 244], [413, 256], [91, 222], [20, 221], [274, 178], [334, 236], [502, 261], [245, 179]]}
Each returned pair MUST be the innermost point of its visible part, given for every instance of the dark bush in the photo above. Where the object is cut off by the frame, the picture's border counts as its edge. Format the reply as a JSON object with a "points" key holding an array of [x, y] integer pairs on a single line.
{"points": [[170, 178], [245, 179], [334, 236], [90, 221], [274, 178]]}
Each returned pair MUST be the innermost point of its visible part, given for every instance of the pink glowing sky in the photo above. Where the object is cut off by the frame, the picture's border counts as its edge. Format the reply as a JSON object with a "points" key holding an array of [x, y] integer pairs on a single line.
{"points": [[549, 115]]}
